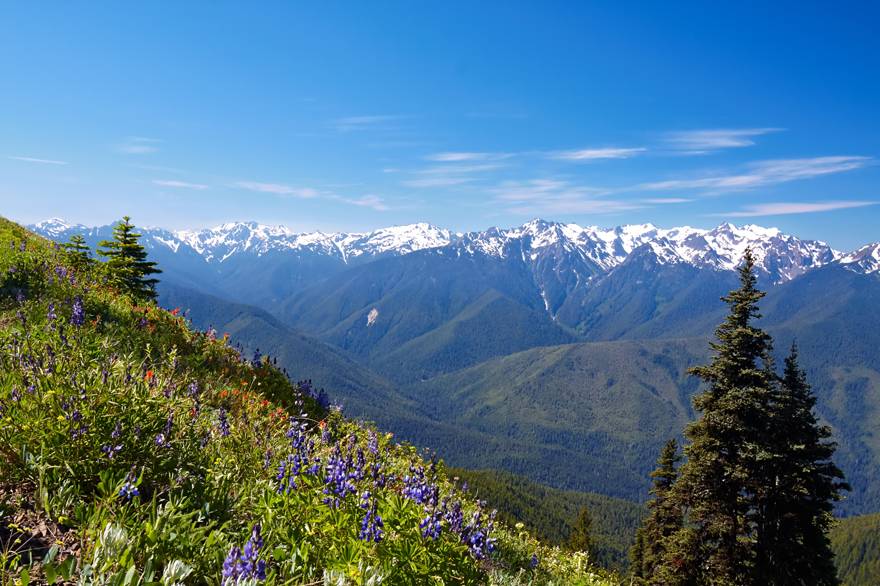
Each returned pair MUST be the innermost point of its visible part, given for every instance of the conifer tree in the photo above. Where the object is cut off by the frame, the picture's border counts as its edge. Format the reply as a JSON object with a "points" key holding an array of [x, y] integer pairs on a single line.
{"points": [[664, 519], [79, 251], [127, 262], [727, 447], [792, 543], [580, 538]]}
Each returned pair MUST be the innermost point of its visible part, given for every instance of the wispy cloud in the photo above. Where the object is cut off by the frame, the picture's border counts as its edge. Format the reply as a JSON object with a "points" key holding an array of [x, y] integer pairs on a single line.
{"points": [[371, 201], [179, 184], [278, 189], [705, 141], [139, 145], [35, 160], [786, 208], [455, 157], [666, 200], [437, 181], [354, 123], [450, 174], [597, 154], [555, 196], [764, 173]]}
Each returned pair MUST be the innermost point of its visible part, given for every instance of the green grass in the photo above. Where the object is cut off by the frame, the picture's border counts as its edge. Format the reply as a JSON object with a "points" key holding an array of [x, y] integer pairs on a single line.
{"points": [[132, 400]]}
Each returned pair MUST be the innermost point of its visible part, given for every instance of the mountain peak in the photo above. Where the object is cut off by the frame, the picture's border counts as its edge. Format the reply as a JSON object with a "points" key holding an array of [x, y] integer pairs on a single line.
{"points": [[781, 256]]}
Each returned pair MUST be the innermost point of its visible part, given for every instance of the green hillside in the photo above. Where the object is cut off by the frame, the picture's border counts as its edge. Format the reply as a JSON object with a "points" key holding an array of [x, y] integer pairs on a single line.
{"points": [[586, 416], [550, 512], [139, 451], [856, 544], [302, 356]]}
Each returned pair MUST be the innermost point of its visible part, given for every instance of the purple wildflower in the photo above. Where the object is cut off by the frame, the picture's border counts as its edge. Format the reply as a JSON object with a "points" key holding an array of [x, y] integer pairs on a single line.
{"points": [[372, 527], [129, 490], [223, 422], [78, 314], [243, 564]]}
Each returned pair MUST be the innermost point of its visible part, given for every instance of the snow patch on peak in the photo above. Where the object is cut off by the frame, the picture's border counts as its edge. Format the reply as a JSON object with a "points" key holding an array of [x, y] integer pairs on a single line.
{"points": [[864, 260]]}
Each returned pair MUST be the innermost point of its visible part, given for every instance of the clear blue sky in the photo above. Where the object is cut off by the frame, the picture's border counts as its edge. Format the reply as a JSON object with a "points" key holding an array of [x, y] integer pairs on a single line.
{"points": [[352, 116]]}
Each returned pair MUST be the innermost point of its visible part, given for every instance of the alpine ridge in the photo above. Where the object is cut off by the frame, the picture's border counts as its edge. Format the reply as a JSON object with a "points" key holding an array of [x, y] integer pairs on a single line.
{"points": [[781, 257]]}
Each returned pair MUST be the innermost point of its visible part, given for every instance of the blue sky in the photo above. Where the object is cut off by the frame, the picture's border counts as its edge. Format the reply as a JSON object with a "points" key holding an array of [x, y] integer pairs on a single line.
{"points": [[352, 116]]}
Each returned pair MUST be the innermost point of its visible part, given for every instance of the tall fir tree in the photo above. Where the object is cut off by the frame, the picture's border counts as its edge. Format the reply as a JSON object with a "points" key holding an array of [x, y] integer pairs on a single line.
{"points": [[802, 484], [727, 446], [127, 262], [581, 536], [80, 254], [665, 518]]}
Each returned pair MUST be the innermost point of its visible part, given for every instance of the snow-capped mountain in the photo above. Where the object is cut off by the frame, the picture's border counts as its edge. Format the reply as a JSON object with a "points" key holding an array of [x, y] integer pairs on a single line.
{"points": [[863, 260], [782, 257], [250, 238], [590, 250]]}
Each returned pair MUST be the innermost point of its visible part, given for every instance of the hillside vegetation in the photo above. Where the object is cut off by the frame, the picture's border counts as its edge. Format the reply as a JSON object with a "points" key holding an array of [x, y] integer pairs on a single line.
{"points": [[136, 450], [856, 543], [550, 513]]}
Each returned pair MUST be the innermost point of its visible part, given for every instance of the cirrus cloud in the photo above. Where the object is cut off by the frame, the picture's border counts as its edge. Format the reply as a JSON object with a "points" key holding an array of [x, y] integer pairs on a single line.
{"points": [[786, 208], [179, 184], [278, 189], [597, 154], [36, 160]]}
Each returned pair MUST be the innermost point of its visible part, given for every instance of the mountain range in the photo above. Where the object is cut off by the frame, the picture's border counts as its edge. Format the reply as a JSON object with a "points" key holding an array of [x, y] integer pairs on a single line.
{"points": [[552, 350]]}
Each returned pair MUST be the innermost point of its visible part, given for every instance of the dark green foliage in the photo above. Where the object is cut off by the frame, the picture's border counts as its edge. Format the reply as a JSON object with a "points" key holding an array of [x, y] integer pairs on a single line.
{"points": [[127, 262], [550, 513], [800, 486], [856, 545], [720, 480], [758, 484], [80, 254], [664, 519], [581, 536]]}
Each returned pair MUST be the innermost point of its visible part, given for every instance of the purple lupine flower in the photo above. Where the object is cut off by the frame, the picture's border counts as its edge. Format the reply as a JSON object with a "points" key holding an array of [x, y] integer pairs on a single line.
{"points": [[78, 314], [243, 564], [193, 389], [223, 422], [117, 431], [533, 563], [15, 395], [51, 316], [372, 527], [129, 490], [110, 450], [163, 440], [430, 525]]}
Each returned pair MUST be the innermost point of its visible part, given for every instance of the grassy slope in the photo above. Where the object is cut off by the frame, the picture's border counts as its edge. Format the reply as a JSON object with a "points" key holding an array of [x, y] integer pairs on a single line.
{"points": [[856, 544], [130, 398]]}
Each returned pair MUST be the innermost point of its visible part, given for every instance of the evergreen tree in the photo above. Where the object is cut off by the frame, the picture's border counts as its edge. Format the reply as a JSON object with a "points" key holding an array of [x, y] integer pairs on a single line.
{"points": [[664, 519], [727, 447], [80, 254], [580, 538], [127, 262], [792, 543]]}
